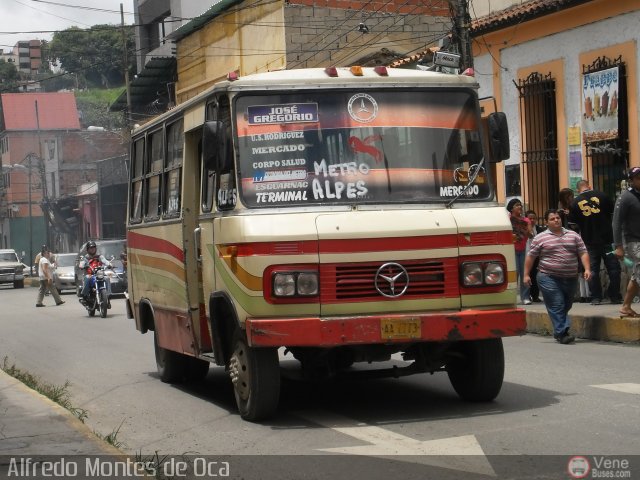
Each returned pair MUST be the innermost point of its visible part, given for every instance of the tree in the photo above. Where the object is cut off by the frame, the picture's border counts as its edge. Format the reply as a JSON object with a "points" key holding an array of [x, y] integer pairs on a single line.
{"points": [[94, 55], [8, 77]]}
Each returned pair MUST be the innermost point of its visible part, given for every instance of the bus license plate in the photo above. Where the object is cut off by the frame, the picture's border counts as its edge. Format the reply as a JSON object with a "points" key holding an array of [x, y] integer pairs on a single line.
{"points": [[400, 328]]}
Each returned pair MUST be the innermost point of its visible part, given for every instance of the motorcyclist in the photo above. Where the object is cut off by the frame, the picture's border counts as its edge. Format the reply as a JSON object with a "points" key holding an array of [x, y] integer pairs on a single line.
{"points": [[89, 263]]}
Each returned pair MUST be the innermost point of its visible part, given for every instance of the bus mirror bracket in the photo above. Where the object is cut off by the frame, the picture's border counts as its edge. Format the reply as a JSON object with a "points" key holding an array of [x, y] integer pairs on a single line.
{"points": [[499, 137], [214, 145]]}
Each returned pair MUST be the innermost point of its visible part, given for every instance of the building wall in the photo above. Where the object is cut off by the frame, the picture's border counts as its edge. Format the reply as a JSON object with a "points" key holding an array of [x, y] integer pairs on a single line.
{"points": [[250, 38], [243, 40], [561, 44], [69, 160], [330, 36]]}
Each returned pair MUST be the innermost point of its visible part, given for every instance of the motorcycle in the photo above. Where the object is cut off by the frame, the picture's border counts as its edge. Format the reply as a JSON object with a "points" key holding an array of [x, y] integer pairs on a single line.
{"points": [[99, 293]]}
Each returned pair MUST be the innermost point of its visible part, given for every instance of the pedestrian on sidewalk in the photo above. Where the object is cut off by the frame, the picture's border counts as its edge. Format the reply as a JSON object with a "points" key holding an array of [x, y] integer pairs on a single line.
{"points": [[534, 292], [626, 232], [46, 280], [559, 251], [592, 212], [522, 231]]}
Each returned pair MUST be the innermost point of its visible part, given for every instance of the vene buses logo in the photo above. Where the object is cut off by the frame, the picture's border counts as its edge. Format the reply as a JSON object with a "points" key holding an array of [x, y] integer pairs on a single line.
{"points": [[578, 467], [363, 108]]}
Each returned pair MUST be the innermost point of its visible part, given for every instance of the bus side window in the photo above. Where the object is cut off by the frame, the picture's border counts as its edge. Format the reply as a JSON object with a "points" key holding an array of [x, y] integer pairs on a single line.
{"points": [[135, 212], [173, 169], [219, 186], [226, 185], [152, 184]]}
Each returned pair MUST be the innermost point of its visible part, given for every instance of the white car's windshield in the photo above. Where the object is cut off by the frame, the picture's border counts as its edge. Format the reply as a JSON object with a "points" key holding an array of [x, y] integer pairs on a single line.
{"points": [[8, 257], [65, 259], [346, 147]]}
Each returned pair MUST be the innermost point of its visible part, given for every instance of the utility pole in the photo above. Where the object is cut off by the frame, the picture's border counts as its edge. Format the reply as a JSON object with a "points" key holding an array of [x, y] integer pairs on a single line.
{"points": [[125, 56], [44, 201], [462, 25]]}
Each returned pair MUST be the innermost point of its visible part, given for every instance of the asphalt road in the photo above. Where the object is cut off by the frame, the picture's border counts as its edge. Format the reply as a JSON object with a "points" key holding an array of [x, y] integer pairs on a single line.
{"points": [[557, 401]]}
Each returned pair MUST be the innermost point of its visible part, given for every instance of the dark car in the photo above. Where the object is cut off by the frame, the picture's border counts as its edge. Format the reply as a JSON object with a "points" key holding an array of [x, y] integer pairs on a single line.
{"points": [[112, 251]]}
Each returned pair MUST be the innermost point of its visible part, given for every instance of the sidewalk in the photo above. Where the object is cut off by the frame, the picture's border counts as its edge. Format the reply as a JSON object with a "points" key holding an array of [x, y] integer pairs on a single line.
{"points": [[31, 424], [593, 322]]}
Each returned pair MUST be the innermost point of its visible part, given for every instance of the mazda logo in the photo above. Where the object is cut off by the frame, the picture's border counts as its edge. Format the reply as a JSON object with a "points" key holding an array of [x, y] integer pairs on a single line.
{"points": [[392, 280]]}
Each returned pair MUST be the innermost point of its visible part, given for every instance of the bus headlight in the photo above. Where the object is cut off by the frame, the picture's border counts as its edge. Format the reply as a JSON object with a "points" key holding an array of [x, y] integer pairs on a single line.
{"points": [[493, 274], [487, 273], [472, 274], [292, 284], [307, 283], [284, 284]]}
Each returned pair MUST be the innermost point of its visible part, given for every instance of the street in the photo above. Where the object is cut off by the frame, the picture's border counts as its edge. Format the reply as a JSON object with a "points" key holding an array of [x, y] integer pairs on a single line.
{"points": [[557, 400]]}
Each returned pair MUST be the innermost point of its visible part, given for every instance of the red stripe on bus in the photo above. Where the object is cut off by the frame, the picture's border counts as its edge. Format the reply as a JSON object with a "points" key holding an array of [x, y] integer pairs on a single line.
{"points": [[153, 244], [359, 245]]}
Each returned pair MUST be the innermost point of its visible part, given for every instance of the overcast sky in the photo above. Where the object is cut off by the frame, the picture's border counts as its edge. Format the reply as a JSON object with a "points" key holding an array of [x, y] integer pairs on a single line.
{"points": [[36, 19]]}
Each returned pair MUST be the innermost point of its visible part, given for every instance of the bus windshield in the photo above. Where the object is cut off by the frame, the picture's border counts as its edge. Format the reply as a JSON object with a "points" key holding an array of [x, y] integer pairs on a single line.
{"points": [[344, 147]]}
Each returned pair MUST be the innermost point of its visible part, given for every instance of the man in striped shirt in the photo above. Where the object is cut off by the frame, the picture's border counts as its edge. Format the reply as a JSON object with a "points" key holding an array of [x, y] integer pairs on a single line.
{"points": [[559, 251]]}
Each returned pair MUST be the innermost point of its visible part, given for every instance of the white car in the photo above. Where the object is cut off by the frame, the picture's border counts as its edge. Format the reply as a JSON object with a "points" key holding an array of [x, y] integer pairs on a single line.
{"points": [[11, 268], [64, 276]]}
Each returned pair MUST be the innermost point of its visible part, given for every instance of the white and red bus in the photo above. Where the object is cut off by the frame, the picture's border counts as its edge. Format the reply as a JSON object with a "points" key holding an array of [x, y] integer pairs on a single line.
{"points": [[333, 215]]}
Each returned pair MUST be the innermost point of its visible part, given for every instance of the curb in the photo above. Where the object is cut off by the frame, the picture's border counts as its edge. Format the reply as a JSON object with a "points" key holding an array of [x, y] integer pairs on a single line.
{"points": [[592, 327], [36, 423]]}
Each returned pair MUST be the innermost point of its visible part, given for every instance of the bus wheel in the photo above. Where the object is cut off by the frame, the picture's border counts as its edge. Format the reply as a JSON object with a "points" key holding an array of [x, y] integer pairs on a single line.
{"points": [[171, 365], [255, 373], [477, 374], [196, 369]]}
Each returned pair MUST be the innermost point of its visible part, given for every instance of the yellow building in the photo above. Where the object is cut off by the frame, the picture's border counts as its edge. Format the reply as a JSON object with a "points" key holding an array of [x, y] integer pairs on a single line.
{"points": [[249, 37]]}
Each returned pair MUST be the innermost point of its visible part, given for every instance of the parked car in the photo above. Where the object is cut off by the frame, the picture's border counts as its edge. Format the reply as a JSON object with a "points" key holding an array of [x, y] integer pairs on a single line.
{"points": [[112, 250], [11, 268], [26, 270], [64, 272]]}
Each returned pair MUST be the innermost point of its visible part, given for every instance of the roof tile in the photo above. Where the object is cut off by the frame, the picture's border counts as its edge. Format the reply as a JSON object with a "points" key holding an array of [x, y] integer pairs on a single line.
{"points": [[519, 13]]}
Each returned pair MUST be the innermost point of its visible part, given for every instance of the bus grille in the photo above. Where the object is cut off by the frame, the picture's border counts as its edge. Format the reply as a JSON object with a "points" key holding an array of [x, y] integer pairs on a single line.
{"points": [[350, 282]]}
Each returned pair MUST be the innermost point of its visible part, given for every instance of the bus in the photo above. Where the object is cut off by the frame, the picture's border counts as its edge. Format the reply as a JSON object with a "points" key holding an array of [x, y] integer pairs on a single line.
{"points": [[330, 217]]}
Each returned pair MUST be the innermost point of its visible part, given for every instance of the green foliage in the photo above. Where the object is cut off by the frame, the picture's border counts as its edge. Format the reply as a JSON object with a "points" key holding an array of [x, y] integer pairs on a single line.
{"points": [[95, 55], [94, 105], [112, 438], [57, 393], [8, 77]]}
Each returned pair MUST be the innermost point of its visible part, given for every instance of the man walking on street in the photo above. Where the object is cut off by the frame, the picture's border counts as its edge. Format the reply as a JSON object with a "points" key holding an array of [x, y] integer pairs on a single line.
{"points": [[592, 212], [559, 251], [46, 280], [626, 227]]}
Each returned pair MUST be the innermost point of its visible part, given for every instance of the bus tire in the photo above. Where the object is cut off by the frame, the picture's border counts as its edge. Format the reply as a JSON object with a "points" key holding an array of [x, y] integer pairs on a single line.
{"points": [[171, 365], [196, 370], [255, 374], [477, 374]]}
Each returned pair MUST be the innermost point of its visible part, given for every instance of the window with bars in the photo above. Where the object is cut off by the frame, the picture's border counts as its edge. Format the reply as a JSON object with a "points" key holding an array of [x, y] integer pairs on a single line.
{"points": [[538, 125]]}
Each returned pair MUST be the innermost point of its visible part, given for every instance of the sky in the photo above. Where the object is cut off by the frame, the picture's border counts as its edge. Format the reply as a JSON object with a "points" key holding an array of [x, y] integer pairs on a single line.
{"points": [[36, 19]]}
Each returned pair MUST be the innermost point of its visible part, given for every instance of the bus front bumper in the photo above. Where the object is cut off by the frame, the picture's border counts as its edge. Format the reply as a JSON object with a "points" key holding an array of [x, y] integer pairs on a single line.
{"points": [[385, 329]]}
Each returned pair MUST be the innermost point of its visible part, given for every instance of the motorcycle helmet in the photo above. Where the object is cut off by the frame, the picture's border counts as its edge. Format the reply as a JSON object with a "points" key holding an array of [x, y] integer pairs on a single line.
{"points": [[91, 245]]}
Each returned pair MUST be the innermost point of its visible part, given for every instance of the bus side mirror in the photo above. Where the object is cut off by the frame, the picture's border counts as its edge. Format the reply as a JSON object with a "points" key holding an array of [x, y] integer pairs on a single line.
{"points": [[215, 146], [499, 137]]}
